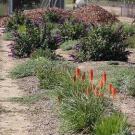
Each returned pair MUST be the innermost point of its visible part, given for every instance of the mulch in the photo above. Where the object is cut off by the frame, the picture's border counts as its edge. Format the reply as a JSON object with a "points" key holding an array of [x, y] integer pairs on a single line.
{"points": [[89, 14]]}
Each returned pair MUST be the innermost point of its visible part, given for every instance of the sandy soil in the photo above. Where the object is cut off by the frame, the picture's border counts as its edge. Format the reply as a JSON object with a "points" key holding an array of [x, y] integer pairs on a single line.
{"points": [[13, 120]]}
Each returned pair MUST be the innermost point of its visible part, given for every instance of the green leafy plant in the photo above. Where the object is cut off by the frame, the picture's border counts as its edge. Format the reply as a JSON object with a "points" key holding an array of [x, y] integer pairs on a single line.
{"points": [[82, 102], [72, 30], [17, 19], [27, 68], [103, 43], [79, 114], [68, 45], [43, 53], [52, 16], [31, 37], [115, 124], [51, 74], [131, 41]]}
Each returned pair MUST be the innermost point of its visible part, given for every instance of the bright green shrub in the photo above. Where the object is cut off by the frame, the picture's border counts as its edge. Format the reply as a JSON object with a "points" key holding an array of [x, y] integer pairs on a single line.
{"points": [[103, 43], [115, 124]]}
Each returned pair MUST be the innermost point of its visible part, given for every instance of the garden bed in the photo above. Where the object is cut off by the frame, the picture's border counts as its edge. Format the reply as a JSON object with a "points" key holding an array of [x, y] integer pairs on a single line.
{"points": [[86, 96]]}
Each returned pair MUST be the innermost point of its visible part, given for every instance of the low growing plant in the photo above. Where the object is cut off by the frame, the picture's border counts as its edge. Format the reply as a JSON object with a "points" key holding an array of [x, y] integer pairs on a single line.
{"points": [[116, 124], [68, 45], [27, 68], [49, 54]]}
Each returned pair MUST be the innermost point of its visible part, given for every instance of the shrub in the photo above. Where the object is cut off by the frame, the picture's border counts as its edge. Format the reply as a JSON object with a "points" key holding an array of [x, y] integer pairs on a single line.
{"points": [[52, 16], [103, 43], [57, 15], [30, 37], [115, 124], [17, 19], [72, 30], [26, 42], [8, 36]]}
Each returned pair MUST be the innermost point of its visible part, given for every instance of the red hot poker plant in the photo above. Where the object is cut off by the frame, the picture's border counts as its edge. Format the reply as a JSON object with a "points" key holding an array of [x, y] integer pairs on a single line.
{"points": [[92, 88]]}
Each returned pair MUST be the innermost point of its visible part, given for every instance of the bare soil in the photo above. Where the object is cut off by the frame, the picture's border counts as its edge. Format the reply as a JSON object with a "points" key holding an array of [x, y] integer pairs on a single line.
{"points": [[13, 119]]}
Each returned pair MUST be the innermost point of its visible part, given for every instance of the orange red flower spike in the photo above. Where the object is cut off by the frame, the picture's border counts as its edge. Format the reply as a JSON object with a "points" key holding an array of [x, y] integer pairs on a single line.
{"points": [[104, 77], [83, 77], [101, 84], [78, 72], [113, 92], [110, 87], [91, 75]]}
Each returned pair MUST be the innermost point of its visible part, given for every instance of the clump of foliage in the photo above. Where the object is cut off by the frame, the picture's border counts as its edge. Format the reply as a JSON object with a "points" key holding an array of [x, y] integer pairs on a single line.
{"points": [[85, 101], [27, 68], [31, 37], [73, 30], [68, 45], [47, 53], [116, 124], [56, 74], [129, 29], [57, 15], [131, 41], [16, 20], [103, 43], [79, 114]]}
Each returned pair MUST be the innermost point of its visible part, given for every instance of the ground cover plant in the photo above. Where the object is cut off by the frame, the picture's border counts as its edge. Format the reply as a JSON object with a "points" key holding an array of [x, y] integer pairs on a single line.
{"points": [[27, 68], [114, 124]]}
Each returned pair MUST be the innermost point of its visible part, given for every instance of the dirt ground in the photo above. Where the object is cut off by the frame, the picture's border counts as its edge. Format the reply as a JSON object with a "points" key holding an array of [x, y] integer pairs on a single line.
{"points": [[13, 119]]}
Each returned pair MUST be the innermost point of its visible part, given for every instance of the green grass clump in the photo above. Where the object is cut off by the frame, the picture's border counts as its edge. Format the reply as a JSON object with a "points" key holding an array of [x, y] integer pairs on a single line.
{"points": [[115, 124], [79, 114], [68, 45], [131, 41]]}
